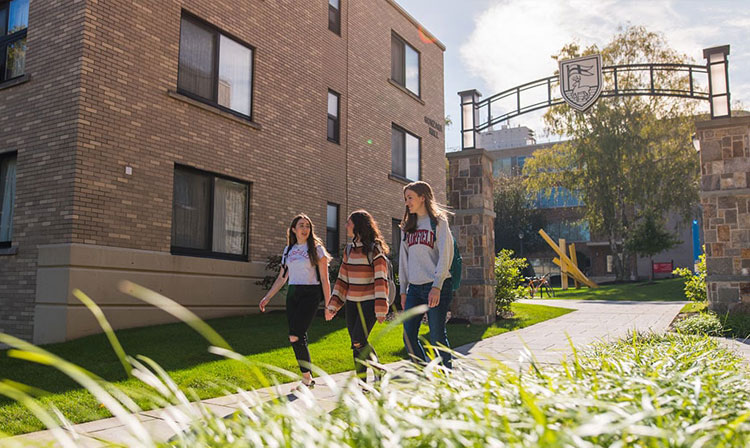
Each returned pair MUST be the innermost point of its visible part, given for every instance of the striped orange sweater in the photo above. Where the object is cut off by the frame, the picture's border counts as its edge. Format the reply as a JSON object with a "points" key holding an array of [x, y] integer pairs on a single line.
{"points": [[359, 280]]}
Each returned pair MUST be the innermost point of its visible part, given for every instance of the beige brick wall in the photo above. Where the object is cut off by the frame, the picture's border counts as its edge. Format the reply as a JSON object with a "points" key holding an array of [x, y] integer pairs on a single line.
{"points": [[101, 100], [38, 121]]}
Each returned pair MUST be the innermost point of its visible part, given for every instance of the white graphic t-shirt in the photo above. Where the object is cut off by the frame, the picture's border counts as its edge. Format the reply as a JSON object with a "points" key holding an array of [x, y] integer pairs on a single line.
{"points": [[301, 272]]}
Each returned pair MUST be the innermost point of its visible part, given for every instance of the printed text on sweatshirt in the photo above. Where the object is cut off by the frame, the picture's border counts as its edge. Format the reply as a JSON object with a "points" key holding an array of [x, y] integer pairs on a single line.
{"points": [[425, 256]]}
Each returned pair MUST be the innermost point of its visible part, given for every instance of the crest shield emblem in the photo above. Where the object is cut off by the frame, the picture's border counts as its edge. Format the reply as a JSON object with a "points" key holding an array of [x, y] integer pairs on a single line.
{"points": [[581, 81]]}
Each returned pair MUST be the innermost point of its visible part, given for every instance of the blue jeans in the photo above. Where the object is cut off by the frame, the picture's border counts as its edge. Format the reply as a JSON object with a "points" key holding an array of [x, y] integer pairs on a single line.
{"points": [[418, 295]]}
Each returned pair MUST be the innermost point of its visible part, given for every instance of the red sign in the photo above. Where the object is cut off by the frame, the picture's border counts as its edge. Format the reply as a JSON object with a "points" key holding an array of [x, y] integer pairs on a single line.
{"points": [[663, 268]]}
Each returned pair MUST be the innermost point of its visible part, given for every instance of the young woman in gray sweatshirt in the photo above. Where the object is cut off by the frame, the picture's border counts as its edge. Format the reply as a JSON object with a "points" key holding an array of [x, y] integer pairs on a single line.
{"points": [[424, 269]]}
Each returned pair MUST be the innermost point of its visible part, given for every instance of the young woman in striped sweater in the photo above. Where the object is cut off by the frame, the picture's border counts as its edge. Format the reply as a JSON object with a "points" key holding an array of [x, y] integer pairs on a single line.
{"points": [[362, 286]]}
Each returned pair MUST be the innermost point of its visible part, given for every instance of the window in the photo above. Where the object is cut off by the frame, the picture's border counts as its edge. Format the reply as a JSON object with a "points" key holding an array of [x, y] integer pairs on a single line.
{"points": [[14, 20], [395, 237], [404, 64], [334, 16], [502, 167], [332, 229], [559, 197], [333, 116], [209, 215], [405, 154], [7, 197], [215, 68], [572, 231]]}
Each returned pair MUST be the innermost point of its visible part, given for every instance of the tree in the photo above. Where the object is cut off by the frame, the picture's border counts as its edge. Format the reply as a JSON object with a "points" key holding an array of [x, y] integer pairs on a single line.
{"points": [[515, 215], [627, 156], [649, 238]]}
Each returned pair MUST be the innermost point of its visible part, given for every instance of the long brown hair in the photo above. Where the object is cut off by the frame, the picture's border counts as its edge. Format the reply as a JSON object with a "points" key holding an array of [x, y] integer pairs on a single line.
{"points": [[434, 208], [312, 240], [367, 233]]}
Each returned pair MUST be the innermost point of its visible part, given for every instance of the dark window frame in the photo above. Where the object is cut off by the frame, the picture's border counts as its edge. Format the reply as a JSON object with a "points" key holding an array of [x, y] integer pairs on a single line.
{"points": [[7, 40], [218, 33], [403, 130], [333, 250], [3, 156], [335, 25], [336, 120], [395, 237], [405, 43], [189, 251]]}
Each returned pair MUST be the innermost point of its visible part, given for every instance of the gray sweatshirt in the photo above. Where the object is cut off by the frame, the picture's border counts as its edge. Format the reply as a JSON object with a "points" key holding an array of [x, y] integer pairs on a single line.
{"points": [[424, 257]]}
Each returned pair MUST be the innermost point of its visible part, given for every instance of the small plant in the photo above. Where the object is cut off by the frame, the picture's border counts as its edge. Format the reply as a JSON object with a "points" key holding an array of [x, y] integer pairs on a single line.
{"points": [[695, 283], [508, 278], [701, 324]]}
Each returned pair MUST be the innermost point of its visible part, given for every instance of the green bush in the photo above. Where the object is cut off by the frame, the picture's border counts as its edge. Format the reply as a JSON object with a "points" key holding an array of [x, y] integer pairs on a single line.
{"points": [[695, 283], [702, 323], [508, 286]]}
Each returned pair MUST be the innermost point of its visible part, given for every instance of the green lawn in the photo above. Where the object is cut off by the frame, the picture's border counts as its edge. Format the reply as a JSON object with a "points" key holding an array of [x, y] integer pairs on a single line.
{"points": [[669, 289], [182, 352]]}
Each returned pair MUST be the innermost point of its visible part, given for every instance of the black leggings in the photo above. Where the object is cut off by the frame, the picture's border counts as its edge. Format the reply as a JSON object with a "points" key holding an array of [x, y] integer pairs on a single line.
{"points": [[360, 326], [302, 302]]}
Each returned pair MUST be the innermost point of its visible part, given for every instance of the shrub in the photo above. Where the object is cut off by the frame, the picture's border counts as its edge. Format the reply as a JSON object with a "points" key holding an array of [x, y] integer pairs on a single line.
{"points": [[702, 324], [695, 283], [648, 390], [507, 280]]}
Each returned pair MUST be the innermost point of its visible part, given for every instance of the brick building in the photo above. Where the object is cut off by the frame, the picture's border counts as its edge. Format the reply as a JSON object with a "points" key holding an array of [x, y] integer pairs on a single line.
{"points": [[170, 143]]}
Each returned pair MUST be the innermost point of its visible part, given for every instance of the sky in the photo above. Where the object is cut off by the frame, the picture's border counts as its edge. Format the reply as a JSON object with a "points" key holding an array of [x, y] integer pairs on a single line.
{"points": [[493, 45]]}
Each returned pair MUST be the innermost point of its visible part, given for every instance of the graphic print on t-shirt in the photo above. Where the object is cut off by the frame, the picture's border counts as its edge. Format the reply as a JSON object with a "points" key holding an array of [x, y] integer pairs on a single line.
{"points": [[421, 236], [296, 253]]}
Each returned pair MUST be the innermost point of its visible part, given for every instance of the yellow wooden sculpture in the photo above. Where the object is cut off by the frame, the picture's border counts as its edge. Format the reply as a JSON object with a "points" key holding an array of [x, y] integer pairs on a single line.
{"points": [[568, 265]]}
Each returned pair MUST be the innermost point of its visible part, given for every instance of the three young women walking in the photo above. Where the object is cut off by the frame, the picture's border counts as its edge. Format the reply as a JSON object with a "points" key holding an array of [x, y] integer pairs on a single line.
{"points": [[305, 266], [362, 287], [424, 269]]}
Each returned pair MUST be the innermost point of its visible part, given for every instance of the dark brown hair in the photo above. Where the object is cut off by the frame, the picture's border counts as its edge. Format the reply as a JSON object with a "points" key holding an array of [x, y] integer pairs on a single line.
{"points": [[367, 233], [312, 240], [434, 209]]}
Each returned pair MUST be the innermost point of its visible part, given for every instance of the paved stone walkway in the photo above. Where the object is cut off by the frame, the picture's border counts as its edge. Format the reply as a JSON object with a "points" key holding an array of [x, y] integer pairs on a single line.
{"points": [[548, 341]]}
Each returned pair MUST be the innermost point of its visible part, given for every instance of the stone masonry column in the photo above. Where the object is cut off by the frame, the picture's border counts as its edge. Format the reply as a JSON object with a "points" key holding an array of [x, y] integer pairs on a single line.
{"points": [[470, 195], [725, 197]]}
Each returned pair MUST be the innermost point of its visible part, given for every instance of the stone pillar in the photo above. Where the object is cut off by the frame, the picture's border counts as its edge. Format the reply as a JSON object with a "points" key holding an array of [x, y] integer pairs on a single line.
{"points": [[470, 195], [725, 197]]}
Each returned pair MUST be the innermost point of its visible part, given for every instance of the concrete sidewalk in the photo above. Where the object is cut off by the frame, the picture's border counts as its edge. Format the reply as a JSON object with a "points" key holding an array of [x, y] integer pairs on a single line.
{"points": [[548, 341]]}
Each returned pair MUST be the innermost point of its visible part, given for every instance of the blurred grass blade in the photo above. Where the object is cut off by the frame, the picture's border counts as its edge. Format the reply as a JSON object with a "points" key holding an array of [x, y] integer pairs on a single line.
{"points": [[39, 412], [104, 324], [175, 309]]}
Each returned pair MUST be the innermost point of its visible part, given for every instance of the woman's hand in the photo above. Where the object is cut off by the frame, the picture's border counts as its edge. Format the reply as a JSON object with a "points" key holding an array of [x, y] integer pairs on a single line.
{"points": [[262, 305], [433, 299], [380, 319], [403, 301], [330, 312]]}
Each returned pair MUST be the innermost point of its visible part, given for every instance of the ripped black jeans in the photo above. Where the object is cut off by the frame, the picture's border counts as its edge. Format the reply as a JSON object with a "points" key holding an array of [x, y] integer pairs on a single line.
{"points": [[360, 318], [302, 302]]}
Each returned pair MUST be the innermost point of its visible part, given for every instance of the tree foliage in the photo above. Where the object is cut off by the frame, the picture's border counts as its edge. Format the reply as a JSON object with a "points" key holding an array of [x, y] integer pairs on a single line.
{"points": [[516, 215], [627, 156]]}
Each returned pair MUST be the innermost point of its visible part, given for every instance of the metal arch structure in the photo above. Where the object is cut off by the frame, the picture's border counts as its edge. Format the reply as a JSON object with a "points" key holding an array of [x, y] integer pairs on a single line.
{"points": [[478, 116]]}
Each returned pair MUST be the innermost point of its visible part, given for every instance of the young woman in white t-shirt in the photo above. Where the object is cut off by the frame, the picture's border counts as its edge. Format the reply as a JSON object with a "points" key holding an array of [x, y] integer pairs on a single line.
{"points": [[305, 264]]}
